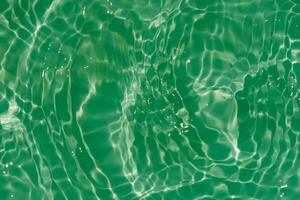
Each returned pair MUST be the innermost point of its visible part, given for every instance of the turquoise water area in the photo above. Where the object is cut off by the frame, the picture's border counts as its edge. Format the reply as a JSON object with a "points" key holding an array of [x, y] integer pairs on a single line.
{"points": [[150, 99]]}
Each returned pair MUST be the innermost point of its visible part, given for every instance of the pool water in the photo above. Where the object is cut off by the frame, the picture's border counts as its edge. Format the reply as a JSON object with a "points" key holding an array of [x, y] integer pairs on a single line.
{"points": [[150, 99]]}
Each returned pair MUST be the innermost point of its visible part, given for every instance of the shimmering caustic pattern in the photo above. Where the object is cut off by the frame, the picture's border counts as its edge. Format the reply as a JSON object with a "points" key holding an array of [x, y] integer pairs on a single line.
{"points": [[150, 99]]}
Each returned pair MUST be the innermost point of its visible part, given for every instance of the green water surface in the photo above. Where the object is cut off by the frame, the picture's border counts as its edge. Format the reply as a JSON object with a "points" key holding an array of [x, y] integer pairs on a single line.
{"points": [[149, 99]]}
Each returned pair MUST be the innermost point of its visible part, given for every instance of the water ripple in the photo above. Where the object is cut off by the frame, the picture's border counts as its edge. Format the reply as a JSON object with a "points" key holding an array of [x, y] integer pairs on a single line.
{"points": [[149, 99]]}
